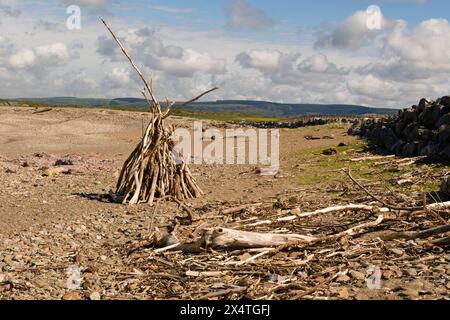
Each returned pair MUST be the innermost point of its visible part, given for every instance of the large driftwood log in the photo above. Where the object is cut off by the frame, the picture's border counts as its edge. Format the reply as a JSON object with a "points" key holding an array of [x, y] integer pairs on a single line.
{"points": [[230, 239], [235, 239]]}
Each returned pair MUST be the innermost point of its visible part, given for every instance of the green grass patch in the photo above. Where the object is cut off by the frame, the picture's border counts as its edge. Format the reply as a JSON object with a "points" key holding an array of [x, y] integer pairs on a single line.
{"points": [[226, 116], [316, 169]]}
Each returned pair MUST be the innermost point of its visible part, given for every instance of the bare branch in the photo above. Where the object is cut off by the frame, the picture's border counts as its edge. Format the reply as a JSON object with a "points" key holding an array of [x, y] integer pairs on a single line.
{"points": [[147, 85]]}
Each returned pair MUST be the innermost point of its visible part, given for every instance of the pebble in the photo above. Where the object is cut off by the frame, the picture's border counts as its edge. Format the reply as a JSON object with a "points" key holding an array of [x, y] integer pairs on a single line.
{"points": [[95, 296], [361, 296], [357, 275], [343, 294], [72, 295], [398, 252], [410, 293], [411, 272], [343, 278]]}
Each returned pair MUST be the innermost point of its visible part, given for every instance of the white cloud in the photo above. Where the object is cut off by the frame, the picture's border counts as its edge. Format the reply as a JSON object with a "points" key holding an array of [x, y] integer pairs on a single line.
{"points": [[243, 15], [56, 52], [426, 47], [25, 58], [287, 68], [40, 60], [391, 67], [118, 78], [349, 34], [260, 59], [149, 50]]}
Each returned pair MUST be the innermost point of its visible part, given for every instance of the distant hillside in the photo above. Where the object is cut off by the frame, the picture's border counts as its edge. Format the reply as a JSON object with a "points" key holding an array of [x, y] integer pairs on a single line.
{"points": [[286, 109], [271, 109]]}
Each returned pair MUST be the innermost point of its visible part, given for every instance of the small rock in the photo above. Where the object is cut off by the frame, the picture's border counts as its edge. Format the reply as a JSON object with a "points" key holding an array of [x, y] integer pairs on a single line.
{"points": [[343, 278], [361, 296], [343, 294], [55, 171], [411, 272], [72, 295], [95, 296], [398, 252], [357, 275], [410, 293], [330, 152], [342, 144], [63, 162]]}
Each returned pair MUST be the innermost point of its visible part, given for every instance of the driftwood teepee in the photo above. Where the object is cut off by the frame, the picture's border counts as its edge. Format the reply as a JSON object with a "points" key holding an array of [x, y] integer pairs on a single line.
{"points": [[154, 170]]}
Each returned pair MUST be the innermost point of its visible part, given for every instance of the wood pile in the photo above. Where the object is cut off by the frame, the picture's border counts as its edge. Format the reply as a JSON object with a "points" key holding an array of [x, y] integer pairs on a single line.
{"points": [[154, 170]]}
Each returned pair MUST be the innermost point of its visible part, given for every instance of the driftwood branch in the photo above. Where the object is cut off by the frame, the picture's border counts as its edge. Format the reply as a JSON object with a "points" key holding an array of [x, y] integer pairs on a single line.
{"points": [[147, 85], [392, 207]]}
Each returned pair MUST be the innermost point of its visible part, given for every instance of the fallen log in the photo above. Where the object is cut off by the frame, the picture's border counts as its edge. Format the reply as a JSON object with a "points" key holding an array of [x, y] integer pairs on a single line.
{"points": [[444, 242], [411, 235], [236, 239], [229, 239]]}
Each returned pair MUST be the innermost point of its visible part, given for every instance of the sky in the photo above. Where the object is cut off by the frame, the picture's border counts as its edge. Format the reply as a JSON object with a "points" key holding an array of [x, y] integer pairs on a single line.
{"points": [[385, 53]]}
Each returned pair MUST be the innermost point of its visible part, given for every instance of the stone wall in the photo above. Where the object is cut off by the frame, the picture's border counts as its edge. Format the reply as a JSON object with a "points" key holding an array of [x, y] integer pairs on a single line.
{"points": [[423, 129]]}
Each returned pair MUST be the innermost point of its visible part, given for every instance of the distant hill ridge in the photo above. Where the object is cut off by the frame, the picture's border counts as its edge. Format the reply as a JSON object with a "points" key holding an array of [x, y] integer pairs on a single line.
{"points": [[266, 108]]}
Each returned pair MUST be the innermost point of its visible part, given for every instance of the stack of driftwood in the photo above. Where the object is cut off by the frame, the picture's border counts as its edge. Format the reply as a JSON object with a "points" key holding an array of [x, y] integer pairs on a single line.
{"points": [[154, 170]]}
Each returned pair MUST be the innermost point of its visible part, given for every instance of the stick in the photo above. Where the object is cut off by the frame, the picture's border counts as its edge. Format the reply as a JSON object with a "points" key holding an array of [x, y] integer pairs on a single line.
{"points": [[222, 293], [173, 246], [147, 86], [200, 96], [322, 211], [445, 242], [378, 199]]}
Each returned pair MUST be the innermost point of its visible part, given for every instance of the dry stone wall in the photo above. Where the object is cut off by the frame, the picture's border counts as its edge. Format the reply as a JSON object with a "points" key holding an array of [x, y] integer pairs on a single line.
{"points": [[423, 129]]}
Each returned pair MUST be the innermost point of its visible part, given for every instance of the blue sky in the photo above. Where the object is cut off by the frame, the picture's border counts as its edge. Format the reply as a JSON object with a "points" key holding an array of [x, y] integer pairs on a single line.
{"points": [[289, 13], [288, 51]]}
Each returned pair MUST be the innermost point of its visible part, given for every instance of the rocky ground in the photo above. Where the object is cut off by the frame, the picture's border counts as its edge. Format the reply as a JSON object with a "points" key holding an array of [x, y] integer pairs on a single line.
{"points": [[62, 238]]}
